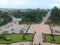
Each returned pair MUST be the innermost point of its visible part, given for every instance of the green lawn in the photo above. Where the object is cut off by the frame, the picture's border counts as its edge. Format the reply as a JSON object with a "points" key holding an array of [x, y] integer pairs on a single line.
{"points": [[48, 38], [16, 38]]}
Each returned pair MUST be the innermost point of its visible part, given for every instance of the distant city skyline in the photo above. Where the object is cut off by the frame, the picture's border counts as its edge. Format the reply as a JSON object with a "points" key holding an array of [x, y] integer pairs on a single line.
{"points": [[33, 4]]}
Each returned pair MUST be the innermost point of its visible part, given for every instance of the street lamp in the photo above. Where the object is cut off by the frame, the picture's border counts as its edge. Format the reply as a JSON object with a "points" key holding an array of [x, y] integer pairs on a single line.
{"points": [[49, 21]]}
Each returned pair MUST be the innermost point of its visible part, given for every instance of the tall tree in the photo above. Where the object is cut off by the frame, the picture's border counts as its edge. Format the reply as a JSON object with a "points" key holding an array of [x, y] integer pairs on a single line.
{"points": [[55, 15]]}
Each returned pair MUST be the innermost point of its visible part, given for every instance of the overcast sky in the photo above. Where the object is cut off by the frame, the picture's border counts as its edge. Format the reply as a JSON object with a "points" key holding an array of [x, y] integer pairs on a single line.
{"points": [[29, 3]]}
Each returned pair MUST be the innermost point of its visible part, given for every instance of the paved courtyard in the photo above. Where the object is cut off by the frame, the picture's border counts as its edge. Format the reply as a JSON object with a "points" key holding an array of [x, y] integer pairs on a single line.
{"points": [[39, 29]]}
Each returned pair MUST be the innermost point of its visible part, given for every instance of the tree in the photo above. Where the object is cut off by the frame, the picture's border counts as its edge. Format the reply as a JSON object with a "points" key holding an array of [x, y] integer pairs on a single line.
{"points": [[4, 18], [31, 16], [55, 15], [17, 14]]}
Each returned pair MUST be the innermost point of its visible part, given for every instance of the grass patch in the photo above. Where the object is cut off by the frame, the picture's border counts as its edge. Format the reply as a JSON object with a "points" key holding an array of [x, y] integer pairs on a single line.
{"points": [[16, 38], [48, 38]]}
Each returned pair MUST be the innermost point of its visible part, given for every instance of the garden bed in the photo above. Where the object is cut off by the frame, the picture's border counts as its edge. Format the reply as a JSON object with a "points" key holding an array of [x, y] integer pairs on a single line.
{"points": [[12, 38], [48, 38]]}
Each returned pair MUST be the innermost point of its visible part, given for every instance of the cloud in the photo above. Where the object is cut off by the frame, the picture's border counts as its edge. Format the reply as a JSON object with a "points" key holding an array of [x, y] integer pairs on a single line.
{"points": [[15, 2], [57, 5], [56, 1], [18, 2], [29, 3], [3, 2], [21, 2], [54, 4]]}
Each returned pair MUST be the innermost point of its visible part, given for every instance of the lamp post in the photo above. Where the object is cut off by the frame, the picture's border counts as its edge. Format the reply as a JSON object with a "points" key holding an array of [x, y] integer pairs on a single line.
{"points": [[49, 21]]}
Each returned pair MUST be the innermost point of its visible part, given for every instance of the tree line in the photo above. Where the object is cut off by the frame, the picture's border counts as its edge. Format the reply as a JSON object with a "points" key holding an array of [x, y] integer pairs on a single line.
{"points": [[4, 18], [55, 15], [31, 16]]}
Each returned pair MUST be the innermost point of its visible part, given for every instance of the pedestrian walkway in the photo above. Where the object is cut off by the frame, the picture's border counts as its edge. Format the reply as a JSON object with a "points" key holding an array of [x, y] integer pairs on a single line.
{"points": [[39, 29]]}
